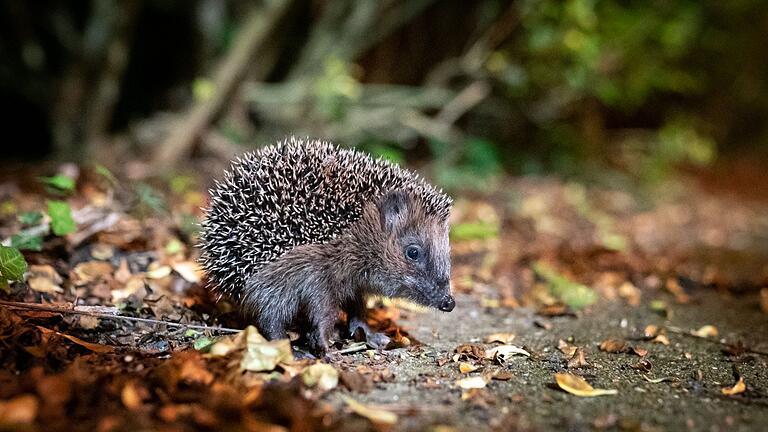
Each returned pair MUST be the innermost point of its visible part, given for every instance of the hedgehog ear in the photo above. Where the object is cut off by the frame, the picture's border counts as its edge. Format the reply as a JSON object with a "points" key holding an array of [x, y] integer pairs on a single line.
{"points": [[393, 208]]}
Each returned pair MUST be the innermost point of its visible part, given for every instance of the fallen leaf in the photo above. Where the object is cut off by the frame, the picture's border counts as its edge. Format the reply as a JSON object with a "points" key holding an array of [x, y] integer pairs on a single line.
{"points": [[87, 272], [262, 355], [97, 348], [503, 353], [374, 414], [44, 284], [613, 346], [189, 270], [502, 375], [474, 382], [504, 338], [465, 367], [472, 351], [642, 352], [706, 331], [576, 385], [131, 396], [630, 293], [158, 272], [662, 339], [651, 331], [566, 348], [356, 382], [321, 375], [578, 360], [739, 387], [19, 410]]}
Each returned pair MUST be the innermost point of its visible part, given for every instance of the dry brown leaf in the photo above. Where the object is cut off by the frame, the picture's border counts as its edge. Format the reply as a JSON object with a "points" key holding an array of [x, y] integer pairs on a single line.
{"points": [[502, 375], [706, 331], [576, 385], [20, 410], [630, 293], [651, 331], [642, 352], [504, 338], [44, 284], [613, 346], [374, 414], [578, 360], [739, 387], [566, 348], [465, 367], [193, 370], [473, 351], [87, 272], [662, 339], [97, 348]]}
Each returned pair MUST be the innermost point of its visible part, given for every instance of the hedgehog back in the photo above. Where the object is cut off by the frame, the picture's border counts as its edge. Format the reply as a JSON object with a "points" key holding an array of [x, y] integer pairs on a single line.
{"points": [[293, 193]]}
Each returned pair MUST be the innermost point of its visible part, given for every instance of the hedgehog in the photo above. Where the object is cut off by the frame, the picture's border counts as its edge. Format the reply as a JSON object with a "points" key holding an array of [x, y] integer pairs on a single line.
{"points": [[301, 230]]}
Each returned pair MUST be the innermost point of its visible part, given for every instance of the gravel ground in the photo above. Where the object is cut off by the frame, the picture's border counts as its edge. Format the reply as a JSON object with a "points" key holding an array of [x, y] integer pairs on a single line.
{"points": [[690, 400]]}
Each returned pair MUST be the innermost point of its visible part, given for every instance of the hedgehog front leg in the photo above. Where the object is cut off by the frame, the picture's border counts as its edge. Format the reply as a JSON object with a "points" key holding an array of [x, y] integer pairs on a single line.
{"points": [[356, 320]]}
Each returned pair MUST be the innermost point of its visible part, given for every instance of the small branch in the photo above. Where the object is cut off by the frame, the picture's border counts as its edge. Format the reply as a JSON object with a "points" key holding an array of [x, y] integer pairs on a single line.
{"points": [[255, 31], [72, 310]]}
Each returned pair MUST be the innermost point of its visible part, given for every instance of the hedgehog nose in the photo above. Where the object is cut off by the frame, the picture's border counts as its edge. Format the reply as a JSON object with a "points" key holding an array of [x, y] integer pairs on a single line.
{"points": [[447, 303]]}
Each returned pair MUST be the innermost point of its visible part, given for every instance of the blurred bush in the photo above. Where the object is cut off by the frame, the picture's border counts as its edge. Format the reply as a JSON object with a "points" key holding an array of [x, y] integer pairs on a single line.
{"points": [[471, 89]]}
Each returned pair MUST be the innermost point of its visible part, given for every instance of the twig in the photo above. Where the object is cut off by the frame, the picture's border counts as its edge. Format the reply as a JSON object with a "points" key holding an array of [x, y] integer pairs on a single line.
{"points": [[680, 331], [360, 346], [71, 310], [255, 31]]}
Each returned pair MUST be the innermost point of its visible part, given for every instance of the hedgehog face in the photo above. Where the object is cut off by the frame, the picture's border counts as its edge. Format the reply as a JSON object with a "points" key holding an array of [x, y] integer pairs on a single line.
{"points": [[417, 245]]}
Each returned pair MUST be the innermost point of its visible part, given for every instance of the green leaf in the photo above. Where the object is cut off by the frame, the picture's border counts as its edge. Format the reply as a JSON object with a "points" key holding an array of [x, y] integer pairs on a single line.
{"points": [[569, 292], [474, 231], [61, 218], [106, 173], [26, 241], [12, 263], [30, 218], [59, 182]]}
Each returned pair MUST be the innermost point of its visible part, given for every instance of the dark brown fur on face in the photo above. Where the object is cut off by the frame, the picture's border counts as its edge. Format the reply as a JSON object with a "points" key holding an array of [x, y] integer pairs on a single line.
{"points": [[395, 250]]}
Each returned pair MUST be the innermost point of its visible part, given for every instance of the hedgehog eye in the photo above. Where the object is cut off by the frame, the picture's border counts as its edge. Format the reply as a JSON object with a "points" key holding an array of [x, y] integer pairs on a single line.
{"points": [[413, 252]]}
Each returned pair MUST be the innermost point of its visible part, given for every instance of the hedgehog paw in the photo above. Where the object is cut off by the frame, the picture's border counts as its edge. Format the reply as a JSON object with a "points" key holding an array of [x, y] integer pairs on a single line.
{"points": [[377, 340]]}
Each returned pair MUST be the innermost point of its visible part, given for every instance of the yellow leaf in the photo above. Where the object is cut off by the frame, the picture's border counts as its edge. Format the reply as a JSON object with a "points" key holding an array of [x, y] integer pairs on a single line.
{"points": [[739, 387], [375, 415], [706, 331], [576, 385], [465, 367]]}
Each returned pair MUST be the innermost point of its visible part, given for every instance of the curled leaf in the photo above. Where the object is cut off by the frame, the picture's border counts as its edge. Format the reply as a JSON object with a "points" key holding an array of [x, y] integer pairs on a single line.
{"points": [[706, 331], [576, 385], [739, 387]]}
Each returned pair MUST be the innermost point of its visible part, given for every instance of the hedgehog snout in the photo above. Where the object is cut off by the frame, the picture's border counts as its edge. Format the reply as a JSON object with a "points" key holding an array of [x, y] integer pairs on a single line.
{"points": [[447, 303]]}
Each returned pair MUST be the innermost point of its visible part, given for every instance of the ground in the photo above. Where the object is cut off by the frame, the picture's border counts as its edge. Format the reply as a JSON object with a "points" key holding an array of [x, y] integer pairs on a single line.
{"points": [[658, 297]]}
